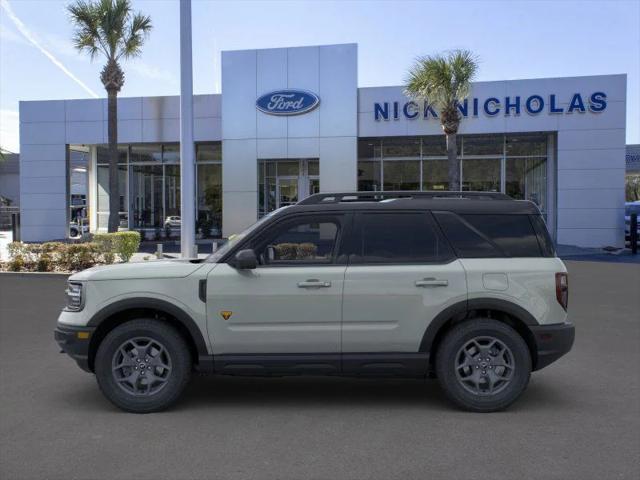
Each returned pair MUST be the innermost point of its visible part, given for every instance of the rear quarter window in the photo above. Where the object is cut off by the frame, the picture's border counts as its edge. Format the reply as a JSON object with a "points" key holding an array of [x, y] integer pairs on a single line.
{"points": [[490, 235]]}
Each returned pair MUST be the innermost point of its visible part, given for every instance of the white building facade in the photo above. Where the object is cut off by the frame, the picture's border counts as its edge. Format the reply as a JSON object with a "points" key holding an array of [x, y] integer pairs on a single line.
{"points": [[291, 122]]}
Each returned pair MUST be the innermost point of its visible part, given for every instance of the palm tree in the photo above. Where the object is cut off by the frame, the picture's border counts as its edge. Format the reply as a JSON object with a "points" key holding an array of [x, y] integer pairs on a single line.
{"points": [[444, 81], [112, 29]]}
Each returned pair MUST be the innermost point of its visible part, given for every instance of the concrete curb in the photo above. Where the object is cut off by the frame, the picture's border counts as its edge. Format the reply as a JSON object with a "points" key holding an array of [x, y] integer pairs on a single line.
{"points": [[26, 274]]}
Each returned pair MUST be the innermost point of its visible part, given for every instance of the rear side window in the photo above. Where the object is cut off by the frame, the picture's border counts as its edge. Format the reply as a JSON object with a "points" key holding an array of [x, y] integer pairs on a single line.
{"points": [[513, 234], [486, 236], [546, 244], [466, 241], [397, 238]]}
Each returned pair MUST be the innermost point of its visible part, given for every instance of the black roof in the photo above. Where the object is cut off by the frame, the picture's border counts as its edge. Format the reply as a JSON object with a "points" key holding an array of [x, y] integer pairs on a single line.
{"points": [[458, 202]]}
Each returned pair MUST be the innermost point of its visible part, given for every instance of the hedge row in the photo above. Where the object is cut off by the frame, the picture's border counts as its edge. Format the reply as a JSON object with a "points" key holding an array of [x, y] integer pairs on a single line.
{"points": [[105, 248]]}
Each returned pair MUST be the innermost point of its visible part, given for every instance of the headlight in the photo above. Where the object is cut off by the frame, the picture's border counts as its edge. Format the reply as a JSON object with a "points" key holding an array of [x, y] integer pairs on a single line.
{"points": [[75, 297]]}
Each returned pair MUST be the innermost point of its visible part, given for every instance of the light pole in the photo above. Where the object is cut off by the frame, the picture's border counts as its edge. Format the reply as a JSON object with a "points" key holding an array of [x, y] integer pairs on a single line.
{"points": [[187, 147]]}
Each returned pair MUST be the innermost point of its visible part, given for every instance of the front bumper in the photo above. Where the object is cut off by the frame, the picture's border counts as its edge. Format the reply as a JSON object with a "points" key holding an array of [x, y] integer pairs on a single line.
{"points": [[552, 342], [74, 341]]}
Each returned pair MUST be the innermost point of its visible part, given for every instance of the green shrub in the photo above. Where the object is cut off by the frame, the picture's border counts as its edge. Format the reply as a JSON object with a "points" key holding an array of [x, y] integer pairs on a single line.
{"points": [[57, 256], [126, 244], [79, 256], [16, 264], [306, 251], [44, 263], [16, 248]]}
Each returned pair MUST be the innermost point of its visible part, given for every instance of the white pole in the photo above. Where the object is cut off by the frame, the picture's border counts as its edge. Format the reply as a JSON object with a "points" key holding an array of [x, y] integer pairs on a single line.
{"points": [[187, 147]]}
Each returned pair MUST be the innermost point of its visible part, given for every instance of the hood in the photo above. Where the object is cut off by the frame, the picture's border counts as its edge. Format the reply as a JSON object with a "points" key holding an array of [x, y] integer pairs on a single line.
{"points": [[140, 270]]}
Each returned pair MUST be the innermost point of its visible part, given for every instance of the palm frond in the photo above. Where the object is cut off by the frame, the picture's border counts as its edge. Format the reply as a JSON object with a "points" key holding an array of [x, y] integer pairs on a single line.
{"points": [[139, 29], [109, 27], [442, 80]]}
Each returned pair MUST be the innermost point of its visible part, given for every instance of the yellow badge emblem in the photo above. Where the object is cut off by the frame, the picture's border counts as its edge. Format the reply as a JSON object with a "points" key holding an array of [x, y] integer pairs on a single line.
{"points": [[226, 314]]}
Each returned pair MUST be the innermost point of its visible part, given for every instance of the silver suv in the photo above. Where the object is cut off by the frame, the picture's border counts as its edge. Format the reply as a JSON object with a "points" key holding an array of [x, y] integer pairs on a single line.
{"points": [[465, 287]]}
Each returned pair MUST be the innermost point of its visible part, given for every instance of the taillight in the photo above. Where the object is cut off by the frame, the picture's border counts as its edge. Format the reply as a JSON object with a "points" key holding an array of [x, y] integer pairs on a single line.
{"points": [[562, 289]]}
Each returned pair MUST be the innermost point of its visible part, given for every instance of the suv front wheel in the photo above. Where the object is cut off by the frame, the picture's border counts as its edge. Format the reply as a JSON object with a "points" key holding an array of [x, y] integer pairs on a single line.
{"points": [[143, 366], [483, 365]]}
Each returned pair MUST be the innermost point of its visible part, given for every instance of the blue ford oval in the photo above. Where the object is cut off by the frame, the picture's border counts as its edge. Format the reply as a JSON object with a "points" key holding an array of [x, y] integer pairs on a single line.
{"points": [[287, 102]]}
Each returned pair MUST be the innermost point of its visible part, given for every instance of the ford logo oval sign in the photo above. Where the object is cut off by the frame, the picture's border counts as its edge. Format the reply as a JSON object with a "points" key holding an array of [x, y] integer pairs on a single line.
{"points": [[287, 102]]}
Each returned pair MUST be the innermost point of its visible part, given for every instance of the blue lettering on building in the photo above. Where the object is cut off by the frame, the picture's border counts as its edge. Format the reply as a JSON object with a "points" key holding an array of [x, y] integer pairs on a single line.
{"points": [[598, 102], [463, 107], [381, 111], [428, 109], [534, 104], [576, 104], [411, 110], [492, 106], [553, 108], [510, 105]]}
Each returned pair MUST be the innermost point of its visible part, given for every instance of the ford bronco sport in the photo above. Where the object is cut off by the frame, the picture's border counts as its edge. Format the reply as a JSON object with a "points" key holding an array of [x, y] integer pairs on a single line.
{"points": [[462, 286]]}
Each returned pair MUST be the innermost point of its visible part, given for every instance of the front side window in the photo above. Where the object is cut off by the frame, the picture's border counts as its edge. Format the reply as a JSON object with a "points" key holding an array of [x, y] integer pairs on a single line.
{"points": [[300, 241], [397, 238]]}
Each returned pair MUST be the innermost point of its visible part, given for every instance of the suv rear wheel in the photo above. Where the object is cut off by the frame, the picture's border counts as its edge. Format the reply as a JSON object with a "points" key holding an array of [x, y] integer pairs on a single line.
{"points": [[143, 366], [483, 365]]}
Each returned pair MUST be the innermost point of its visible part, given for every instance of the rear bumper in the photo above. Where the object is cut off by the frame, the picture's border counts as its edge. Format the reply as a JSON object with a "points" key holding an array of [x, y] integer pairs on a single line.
{"points": [[552, 342], [74, 341]]}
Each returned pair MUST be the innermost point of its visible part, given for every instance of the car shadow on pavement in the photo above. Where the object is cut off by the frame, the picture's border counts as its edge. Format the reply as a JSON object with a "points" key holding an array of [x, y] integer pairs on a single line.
{"points": [[252, 393]]}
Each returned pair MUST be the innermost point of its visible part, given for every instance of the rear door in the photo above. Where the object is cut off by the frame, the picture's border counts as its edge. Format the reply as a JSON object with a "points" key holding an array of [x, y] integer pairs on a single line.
{"points": [[401, 274]]}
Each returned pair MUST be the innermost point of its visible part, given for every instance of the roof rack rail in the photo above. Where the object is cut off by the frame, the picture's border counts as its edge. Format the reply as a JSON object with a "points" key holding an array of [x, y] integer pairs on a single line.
{"points": [[319, 198]]}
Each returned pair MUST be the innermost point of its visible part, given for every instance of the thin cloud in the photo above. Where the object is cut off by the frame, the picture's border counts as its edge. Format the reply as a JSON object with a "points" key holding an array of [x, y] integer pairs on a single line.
{"points": [[22, 28]]}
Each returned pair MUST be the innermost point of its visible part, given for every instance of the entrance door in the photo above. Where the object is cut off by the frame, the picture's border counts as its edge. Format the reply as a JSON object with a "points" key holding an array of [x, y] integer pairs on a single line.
{"points": [[287, 188], [285, 182]]}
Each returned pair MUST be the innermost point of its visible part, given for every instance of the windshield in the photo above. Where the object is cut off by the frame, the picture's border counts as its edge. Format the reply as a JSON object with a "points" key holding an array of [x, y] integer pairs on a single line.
{"points": [[234, 239]]}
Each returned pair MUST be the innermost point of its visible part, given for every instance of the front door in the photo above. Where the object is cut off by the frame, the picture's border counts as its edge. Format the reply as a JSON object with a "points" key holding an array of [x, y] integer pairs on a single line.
{"points": [[289, 308], [287, 189], [401, 274]]}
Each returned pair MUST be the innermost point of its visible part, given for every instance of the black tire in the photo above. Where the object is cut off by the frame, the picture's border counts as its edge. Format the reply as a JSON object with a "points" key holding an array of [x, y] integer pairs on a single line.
{"points": [[452, 363], [175, 354]]}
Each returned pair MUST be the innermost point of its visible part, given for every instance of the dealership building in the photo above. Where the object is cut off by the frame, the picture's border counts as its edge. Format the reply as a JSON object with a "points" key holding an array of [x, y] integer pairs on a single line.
{"points": [[292, 121]]}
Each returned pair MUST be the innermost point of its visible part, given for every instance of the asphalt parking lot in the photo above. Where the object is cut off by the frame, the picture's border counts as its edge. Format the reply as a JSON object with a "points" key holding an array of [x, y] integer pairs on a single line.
{"points": [[580, 417]]}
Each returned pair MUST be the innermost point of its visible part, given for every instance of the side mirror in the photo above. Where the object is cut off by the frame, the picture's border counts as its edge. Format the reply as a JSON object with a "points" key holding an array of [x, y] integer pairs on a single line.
{"points": [[246, 260]]}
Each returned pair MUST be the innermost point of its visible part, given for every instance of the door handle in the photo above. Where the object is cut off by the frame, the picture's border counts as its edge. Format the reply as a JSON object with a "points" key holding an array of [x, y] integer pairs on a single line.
{"points": [[432, 282], [313, 283]]}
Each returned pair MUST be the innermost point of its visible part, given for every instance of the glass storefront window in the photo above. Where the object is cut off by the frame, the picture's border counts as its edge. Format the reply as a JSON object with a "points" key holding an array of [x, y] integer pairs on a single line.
{"points": [[102, 154], [288, 169], [435, 146], [368, 148], [532, 144], [402, 175], [482, 145], [481, 175], [171, 153], [314, 167], [209, 152], [172, 190], [146, 193], [102, 203], [369, 176], [403, 147], [435, 175], [147, 152], [209, 200], [526, 179]]}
